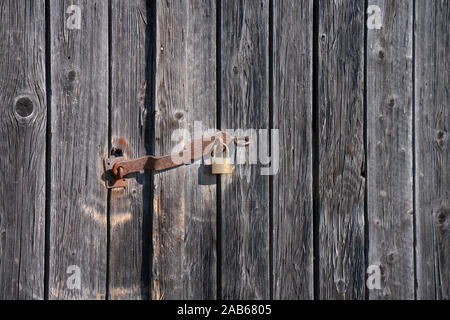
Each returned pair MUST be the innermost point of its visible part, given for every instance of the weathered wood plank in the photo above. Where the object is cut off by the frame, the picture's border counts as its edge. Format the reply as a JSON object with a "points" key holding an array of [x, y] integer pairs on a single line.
{"points": [[200, 277], [131, 124], [389, 150], [432, 125], [245, 193], [22, 145], [292, 115], [184, 223], [341, 149], [170, 112], [79, 142]]}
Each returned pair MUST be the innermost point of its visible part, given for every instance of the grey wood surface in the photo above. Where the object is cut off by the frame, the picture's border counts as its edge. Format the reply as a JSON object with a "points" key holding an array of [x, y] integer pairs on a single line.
{"points": [[184, 202], [170, 114], [340, 77], [389, 151], [79, 142], [244, 202], [363, 122], [22, 148], [292, 115], [200, 189], [432, 150], [131, 129]]}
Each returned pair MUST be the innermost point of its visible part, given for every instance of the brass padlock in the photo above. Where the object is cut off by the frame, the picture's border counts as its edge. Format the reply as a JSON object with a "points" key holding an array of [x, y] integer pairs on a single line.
{"points": [[222, 165]]}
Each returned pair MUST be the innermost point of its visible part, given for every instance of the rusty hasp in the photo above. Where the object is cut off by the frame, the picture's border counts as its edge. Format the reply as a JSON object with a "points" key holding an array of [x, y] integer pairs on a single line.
{"points": [[117, 168]]}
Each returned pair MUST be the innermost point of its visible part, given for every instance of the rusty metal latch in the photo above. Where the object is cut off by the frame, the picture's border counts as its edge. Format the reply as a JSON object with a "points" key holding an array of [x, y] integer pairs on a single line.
{"points": [[118, 167]]}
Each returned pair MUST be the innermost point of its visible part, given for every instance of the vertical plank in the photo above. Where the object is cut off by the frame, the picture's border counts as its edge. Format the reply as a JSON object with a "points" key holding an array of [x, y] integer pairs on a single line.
{"points": [[245, 193], [184, 219], [292, 115], [341, 149], [79, 141], [432, 125], [170, 109], [131, 67], [200, 277], [389, 150], [22, 146]]}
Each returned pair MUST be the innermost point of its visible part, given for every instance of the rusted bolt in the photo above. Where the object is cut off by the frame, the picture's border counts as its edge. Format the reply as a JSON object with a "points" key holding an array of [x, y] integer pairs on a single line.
{"points": [[119, 172]]}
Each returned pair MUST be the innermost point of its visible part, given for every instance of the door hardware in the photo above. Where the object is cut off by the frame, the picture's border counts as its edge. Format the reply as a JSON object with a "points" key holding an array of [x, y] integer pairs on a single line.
{"points": [[222, 166], [117, 167]]}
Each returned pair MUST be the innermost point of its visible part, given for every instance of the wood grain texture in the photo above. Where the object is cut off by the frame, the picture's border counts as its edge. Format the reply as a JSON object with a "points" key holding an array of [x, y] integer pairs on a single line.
{"points": [[184, 203], [79, 141], [22, 145], [432, 149], [170, 112], [341, 150], [292, 185], [245, 193], [389, 150], [200, 279], [160, 238], [131, 124]]}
